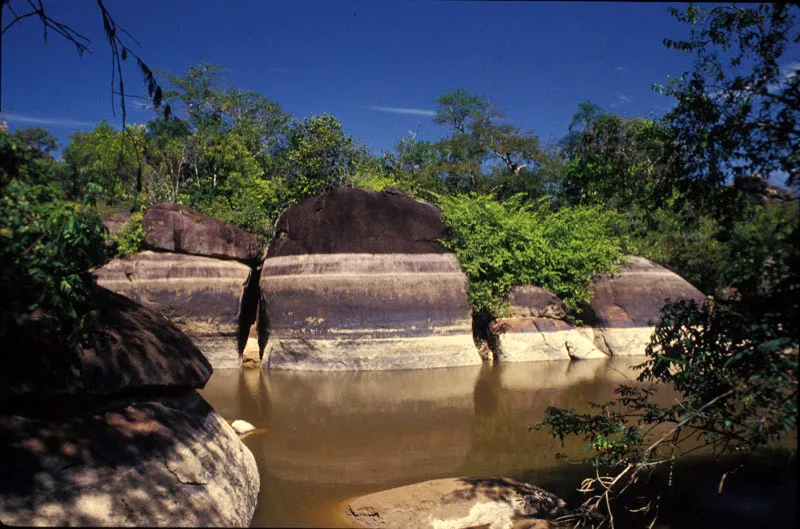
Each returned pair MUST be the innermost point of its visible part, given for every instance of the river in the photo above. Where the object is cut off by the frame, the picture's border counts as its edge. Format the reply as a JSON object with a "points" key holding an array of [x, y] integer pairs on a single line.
{"points": [[324, 438]]}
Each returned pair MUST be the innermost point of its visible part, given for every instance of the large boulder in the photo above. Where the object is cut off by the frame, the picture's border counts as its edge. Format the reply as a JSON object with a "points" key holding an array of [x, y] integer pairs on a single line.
{"points": [[459, 503], [202, 296], [535, 328], [626, 305], [354, 221], [356, 279], [136, 350], [176, 228], [162, 462]]}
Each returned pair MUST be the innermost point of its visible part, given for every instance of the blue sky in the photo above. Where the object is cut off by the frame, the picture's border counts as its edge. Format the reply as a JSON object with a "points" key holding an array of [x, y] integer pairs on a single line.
{"points": [[377, 66]]}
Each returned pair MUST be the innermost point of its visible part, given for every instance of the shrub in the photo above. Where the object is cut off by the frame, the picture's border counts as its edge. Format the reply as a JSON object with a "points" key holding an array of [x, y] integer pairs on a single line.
{"points": [[47, 246], [130, 236], [500, 244]]}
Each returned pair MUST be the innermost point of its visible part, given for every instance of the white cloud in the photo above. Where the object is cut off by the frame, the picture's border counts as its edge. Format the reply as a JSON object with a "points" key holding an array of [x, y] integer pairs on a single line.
{"points": [[620, 69], [402, 110], [50, 122], [621, 100]]}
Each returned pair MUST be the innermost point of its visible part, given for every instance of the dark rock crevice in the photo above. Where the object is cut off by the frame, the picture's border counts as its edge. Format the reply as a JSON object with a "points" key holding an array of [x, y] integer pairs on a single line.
{"points": [[248, 309]]}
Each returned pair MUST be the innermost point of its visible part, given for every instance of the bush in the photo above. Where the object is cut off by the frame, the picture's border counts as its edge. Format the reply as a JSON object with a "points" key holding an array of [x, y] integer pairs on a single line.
{"points": [[47, 246], [501, 244], [130, 237]]}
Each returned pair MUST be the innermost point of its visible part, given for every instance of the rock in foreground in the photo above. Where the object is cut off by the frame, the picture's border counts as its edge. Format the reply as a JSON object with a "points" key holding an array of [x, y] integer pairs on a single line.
{"points": [[459, 503], [136, 351], [164, 462]]}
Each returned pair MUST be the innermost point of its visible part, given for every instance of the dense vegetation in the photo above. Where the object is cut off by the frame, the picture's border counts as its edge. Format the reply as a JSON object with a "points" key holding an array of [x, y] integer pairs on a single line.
{"points": [[687, 191]]}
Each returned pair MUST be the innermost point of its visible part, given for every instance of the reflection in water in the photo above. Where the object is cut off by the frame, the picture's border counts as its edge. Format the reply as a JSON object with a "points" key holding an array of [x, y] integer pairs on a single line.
{"points": [[325, 437]]}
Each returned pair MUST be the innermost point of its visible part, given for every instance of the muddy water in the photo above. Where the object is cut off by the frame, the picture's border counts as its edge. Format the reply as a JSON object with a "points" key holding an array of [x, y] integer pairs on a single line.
{"points": [[324, 438]]}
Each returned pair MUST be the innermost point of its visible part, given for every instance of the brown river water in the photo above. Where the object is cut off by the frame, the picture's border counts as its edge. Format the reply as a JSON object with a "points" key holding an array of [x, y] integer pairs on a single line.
{"points": [[324, 438]]}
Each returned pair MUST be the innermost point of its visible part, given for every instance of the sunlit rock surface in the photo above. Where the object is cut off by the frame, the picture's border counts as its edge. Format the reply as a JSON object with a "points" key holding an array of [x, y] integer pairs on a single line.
{"points": [[535, 329], [626, 304], [165, 462], [459, 503], [356, 280], [200, 295], [176, 228]]}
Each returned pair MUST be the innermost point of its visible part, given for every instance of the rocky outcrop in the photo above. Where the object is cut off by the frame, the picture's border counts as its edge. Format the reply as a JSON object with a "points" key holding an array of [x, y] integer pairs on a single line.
{"points": [[459, 503], [164, 462], [112, 431], [625, 305], [356, 280], [536, 329], [202, 296], [176, 228], [135, 351]]}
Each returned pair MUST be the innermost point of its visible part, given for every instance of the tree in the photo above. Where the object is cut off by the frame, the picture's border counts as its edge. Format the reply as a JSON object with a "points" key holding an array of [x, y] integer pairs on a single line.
{"points": [[732, 362], [103, 159], [318, 157], [481, 154], [738, 111]]}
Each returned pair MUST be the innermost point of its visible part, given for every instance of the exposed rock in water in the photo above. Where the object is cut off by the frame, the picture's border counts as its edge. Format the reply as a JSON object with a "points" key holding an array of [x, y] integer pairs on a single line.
{"points": [[176, 228], [536, 329], [356, 280], [137, 351], [166, 462], [459, 503], [626, 305], [242, 427], [203, 297]]}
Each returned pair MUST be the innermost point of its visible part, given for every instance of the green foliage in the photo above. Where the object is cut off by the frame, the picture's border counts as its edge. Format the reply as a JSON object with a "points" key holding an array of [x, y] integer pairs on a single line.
{"points": [[738, 109], [130, 237], [318, 157], [500, 244], [47, 246], [736, 372]]}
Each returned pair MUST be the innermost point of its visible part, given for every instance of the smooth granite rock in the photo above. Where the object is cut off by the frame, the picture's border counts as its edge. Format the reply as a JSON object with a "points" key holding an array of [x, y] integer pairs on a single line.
{"points": [[536, 329], [161, 462], [530, 339], [625, 305], [351, 220], [459, 503], [137, 351], [176, 228], [200, 295], [356, 280], [366, 311]]}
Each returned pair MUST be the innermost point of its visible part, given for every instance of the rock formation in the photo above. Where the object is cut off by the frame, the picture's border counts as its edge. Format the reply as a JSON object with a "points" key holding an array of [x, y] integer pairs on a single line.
{"points": [[175, 228], [356, 279], [199, 272], [202, 296], [459, 503], [113, 432], [536, 329], [625, 305]]}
